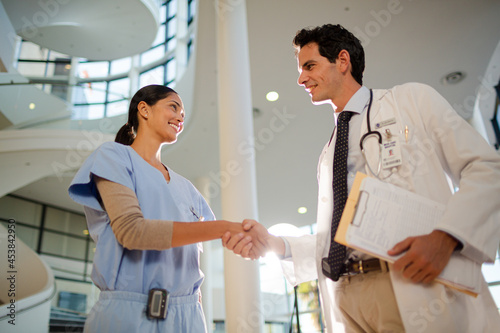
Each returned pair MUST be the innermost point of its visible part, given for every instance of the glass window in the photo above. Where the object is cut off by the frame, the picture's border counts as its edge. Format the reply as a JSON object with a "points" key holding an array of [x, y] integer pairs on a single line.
{"points": [[153, 76], [72, 301], [87, 97], [79, 93], [172, 8], [163, 14], [20, 210], [271, 276], [171, 27], [272, 281], [53, 55], [59, 67], [191, 10], [47, 88], [60, 245], [95, 111], [91, 251], [88, 111], [28, 235], [160, 36], [65, 221], [171, 70], [121, 66], [118, 89], [491, 272], [495, 291], [32, 68], [152, 55], [309, 307], [190, 46], [50, 69], [117, 108], [32, 51], [95, 92], [93, 69], [171, 44]]}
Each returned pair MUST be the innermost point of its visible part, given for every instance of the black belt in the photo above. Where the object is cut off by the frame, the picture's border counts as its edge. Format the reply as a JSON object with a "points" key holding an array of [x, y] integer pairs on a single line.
{"points": [[364, 266]]}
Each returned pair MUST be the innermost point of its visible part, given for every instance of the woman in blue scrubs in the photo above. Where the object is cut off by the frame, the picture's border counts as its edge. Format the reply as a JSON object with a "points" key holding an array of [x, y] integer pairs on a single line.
{"points": [[137, 212]]}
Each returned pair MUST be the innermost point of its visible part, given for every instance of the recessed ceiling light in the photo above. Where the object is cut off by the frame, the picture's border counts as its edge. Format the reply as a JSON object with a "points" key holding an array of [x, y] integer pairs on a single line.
{"points": [[302, 210], [32, 106], [453, 78], [272, 96]]}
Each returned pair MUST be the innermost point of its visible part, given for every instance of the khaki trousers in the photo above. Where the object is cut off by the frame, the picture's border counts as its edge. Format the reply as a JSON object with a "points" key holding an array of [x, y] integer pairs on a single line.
{"points": [[366, 303]]}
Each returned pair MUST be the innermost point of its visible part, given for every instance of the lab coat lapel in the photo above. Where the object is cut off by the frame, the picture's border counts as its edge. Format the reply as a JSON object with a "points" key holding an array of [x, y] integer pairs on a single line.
{"points": [[325, 198]]}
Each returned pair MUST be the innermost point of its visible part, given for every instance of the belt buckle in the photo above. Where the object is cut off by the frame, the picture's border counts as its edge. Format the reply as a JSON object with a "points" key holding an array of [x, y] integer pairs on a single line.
{"points": [[360, 267]]}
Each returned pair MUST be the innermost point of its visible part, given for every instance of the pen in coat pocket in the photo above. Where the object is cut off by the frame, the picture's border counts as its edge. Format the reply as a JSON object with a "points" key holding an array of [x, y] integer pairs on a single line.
{"points": [[199, 217]]}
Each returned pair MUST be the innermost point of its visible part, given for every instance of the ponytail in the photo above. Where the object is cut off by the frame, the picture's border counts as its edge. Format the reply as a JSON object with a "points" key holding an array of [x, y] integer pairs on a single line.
{"points": [[149, 94], [125, 135]]}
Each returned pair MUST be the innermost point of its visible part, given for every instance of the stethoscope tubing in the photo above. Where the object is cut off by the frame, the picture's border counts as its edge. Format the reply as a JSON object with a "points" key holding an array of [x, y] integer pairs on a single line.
{"points": [[370, 132], [367, 134]]}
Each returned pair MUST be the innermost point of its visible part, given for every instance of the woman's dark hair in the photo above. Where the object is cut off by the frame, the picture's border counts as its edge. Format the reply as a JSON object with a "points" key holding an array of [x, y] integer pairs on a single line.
{"points": [[332, 39], [151, 95]]}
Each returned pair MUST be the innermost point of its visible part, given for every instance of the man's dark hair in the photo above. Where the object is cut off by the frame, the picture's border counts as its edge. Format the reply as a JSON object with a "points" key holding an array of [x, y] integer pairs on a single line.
{"points": [[332, 39]]}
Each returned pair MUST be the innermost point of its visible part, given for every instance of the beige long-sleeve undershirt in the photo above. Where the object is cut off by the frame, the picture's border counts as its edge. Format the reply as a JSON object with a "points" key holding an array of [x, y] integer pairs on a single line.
{"points": [[131, 229]]}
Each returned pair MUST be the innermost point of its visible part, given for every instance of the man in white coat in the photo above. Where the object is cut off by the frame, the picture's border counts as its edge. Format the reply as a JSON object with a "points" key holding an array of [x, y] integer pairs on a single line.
{"points": [[436, 151]]}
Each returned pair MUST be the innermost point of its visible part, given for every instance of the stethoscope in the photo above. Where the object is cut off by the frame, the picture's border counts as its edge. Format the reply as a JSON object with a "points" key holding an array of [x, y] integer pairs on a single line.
{"points": [[370, 133]]}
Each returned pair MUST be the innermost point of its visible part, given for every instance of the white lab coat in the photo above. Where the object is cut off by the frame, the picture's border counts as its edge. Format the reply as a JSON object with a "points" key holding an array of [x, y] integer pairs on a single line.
{"points": [[442, 150]]}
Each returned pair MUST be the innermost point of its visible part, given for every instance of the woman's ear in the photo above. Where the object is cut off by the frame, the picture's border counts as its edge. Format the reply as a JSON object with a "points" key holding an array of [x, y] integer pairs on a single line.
{"points": [[143, 109]]}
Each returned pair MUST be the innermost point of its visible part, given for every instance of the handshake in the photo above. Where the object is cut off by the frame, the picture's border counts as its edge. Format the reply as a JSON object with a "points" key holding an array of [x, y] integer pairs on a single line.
{"points": [[253, 241]]}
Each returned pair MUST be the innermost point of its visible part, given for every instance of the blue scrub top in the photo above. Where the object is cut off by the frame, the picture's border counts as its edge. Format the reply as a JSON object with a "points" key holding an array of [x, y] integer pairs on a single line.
{"points": [[117, 268]]}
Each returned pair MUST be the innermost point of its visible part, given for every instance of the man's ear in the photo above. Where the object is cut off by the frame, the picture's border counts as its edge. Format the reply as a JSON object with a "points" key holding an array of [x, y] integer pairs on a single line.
{"points": [[344, 61]]}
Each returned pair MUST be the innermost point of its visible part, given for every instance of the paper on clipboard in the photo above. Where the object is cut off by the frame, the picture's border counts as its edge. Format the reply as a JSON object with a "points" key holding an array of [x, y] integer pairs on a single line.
{"points": [[378, 215]]}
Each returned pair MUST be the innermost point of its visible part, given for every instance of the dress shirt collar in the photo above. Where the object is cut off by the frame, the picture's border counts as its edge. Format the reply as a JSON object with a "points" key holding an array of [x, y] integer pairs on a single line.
{"points": [[357, 104], [358, 101]]}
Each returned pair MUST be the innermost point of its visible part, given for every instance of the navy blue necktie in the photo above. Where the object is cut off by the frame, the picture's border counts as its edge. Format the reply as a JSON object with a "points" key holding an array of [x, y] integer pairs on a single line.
{"points": [[332, 266]]}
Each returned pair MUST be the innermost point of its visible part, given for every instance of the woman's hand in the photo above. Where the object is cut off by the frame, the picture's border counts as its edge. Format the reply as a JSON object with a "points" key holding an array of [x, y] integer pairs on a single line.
{"points": [[254, 242]]}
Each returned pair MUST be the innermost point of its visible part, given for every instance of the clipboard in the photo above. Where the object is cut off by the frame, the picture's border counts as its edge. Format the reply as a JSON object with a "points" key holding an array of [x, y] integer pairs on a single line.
{"points": [[372, 222]]}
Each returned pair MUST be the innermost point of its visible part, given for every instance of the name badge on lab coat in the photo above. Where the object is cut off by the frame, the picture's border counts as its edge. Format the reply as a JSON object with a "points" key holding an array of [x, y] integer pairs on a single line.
{"points": [[391, 152]]}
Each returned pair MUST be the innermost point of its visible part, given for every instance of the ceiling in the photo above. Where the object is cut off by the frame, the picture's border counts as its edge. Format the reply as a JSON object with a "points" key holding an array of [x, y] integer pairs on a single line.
{"points": [[404, 41], [70, 27]]}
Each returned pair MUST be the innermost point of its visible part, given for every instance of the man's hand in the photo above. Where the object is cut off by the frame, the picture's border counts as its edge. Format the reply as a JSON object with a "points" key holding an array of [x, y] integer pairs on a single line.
{"points": [[254, 243], [426, 256]]}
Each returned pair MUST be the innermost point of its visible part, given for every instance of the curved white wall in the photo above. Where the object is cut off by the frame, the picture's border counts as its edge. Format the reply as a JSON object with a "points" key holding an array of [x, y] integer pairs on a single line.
{"points": [[29, 283], [32, 154]]}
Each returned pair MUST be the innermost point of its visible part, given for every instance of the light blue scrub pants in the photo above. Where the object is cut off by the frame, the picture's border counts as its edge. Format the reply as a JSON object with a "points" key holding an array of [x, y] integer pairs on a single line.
{"points": [[122, 311]]}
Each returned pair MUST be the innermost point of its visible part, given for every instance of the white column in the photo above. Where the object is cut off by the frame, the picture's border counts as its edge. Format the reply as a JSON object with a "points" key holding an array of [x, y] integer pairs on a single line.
{"points": [[206, 262], [238, 193]]}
